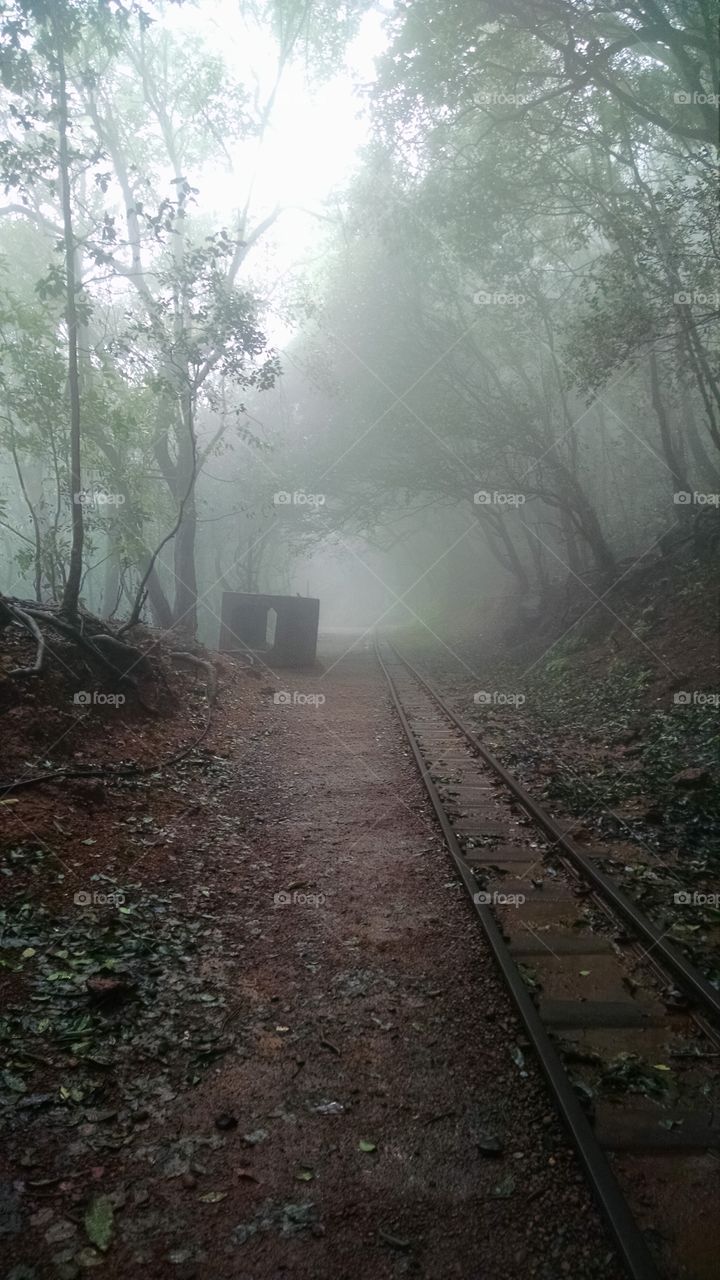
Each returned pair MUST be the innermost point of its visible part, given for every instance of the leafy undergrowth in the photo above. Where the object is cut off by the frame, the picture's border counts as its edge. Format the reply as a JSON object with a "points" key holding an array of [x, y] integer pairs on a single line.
{"points": [[107, 1013], [618, 733], [651, 747], [642, 783], [116, 1005]]}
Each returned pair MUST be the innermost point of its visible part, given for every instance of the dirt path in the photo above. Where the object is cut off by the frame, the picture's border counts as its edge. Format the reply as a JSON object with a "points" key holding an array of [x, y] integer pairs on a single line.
{"points": [[369, 1118]]}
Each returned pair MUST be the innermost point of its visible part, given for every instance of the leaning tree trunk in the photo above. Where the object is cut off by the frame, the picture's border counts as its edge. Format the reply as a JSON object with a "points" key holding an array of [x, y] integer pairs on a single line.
{"points": [[500, 543], [582, 512], [593, 534]]}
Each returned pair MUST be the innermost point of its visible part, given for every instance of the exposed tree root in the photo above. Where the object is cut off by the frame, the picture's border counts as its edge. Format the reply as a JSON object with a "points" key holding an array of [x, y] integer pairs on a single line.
{"points": [[29, 623], [116, 658]]}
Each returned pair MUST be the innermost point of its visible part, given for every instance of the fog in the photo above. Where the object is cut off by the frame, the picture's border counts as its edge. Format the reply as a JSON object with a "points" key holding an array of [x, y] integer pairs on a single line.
{"points": [[430, 298], [359, 533]]}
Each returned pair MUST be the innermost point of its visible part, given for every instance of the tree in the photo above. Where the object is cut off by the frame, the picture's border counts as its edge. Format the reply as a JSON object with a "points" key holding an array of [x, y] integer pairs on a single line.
{"points": [[536, 153], [34, 43]]}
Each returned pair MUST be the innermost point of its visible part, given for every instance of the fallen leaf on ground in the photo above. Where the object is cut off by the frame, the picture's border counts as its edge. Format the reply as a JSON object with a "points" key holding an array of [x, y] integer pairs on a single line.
{"points": [[99, 1222]]}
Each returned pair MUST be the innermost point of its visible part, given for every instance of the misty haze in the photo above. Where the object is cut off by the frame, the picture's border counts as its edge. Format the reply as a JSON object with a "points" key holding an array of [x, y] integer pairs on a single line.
{"points": [[359, 684]]}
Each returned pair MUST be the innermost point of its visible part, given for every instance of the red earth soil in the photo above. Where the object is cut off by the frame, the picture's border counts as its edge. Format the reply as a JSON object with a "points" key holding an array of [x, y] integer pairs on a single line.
{"points": [[372, 1114]]}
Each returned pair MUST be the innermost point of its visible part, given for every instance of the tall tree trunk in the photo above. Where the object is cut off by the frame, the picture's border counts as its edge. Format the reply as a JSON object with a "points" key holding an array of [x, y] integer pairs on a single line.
{"points": [[672, 457], [539, 559], [159, 603], [574, 559], [111, 584], [592, 532], [709, 472], [185, 608], [516, 565], [71, 593]]}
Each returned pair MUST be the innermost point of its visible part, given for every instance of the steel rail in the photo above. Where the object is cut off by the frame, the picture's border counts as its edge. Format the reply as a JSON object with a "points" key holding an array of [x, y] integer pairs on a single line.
{"points": [[627, 1236], [685, 973]]}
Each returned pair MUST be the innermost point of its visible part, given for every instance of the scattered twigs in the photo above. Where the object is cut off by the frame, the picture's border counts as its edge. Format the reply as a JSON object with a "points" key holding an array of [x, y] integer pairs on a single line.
{"points": [[109, 771], [181, 655]]}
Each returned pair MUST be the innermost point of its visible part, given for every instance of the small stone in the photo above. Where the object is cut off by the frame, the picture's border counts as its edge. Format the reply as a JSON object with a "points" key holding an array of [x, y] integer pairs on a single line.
{"points": [[489, 1144], [88, 1258], [653, 814], [60, 1231], [691, 778], [252, 1139], [226, 1121], [108, 990]]}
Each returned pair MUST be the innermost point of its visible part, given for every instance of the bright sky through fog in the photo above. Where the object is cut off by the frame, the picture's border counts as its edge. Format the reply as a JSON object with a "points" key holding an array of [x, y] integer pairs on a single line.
{"points": [[312, 144]]}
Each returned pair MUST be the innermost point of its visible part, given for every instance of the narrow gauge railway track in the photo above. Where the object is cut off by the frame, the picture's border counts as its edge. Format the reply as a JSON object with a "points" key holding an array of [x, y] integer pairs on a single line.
{"points": [[623, 1026]]}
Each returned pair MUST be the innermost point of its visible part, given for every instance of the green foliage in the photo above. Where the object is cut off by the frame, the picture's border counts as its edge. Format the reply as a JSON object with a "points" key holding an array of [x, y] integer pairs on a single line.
{"points": [[317, 30], [540, 154], [492, 175], [143, 942], [165, 327], [629, 1074]]}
